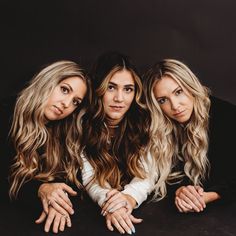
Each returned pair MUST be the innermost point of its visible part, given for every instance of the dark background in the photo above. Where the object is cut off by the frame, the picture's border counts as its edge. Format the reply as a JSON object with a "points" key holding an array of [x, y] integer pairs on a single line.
{"points": [[201, 33]]}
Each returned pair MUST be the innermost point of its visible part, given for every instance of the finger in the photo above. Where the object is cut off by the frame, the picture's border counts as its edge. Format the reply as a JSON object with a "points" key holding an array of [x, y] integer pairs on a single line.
{"points": [[62, 223], [45, 205], [65, 197], [114, 198], [196, 197], [200, 191], [49, 220], [109, 226], [56, 222], [68, 221], [111, 193], [135, 220], [41, 218], [184, 206], [189, 198], [130, 227], [62, 210], [177, 205], [117, 225], [69, 190], [117, 206], [111, 203]]}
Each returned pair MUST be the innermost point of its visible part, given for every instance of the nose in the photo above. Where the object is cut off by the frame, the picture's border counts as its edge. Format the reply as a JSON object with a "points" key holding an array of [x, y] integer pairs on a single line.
{"points": [[174, 104], [118, 96], [66, 102]]}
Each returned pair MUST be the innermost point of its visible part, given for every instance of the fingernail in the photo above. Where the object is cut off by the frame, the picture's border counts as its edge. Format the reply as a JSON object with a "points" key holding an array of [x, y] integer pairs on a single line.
{"points": [[110, 210], [130, 232], [133, 229]]}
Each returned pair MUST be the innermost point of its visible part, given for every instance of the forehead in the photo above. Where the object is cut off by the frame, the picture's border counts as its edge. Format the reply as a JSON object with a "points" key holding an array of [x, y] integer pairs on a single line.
{"points": [[122, 78], [166, 85]]}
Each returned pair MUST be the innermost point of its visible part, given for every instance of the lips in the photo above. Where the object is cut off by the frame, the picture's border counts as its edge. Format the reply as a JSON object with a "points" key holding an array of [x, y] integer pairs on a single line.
{"points": [[58, 110], [179, 113], [116, 108]]}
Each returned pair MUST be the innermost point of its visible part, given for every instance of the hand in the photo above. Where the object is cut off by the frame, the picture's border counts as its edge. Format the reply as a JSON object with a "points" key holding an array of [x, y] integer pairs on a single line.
{"points": [[116, 200], [56, 195], [189, 199], [58, 220], [122, 220]]}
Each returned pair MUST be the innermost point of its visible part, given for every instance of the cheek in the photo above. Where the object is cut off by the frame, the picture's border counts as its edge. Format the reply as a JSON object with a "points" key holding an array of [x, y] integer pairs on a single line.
{"points": [[166, 110], [130, 99]]}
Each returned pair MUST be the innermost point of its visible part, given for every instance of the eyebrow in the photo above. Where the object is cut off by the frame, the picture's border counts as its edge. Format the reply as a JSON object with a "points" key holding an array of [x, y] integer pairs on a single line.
{"points": [[126, 85], [172, 92], [176, 89], [71, 89]]}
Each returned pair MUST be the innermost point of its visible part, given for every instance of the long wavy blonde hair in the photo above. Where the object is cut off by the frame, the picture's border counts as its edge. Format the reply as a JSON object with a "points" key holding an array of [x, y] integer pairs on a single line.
{"points": [[46, 151], [171, 143], [118, 158]]}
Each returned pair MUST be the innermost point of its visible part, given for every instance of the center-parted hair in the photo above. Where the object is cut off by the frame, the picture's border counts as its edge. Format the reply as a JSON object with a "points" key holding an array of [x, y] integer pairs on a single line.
{"points": [[46, 151], [170, 142], [115, 158]]}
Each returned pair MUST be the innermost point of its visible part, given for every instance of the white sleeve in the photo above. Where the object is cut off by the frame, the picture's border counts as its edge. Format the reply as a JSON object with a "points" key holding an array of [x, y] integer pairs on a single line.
{"points": [[95, 191], [139, 188]]}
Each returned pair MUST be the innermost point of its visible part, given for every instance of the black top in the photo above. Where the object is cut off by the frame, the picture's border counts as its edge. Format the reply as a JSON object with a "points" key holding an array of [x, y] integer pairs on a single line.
{"points": [[28, 194], [221, 152]]}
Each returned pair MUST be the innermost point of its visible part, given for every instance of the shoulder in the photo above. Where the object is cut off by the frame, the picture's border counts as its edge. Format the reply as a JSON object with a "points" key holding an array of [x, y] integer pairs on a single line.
{"points": [[221, 107], [222, 116]]}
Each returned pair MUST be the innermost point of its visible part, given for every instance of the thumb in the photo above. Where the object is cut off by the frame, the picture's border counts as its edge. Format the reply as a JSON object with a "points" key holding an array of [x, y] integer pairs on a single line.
{"points": [[135, 220], [69, 190], [41, 218]]}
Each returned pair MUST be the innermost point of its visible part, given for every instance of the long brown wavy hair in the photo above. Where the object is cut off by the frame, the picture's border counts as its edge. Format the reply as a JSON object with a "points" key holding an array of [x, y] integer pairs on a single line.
{"points": [[171, 143], [46, 151], [115, 159]]}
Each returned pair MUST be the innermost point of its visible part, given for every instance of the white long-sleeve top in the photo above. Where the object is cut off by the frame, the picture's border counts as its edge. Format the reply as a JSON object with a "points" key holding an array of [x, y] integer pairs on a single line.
{"points": [[138, 188]]}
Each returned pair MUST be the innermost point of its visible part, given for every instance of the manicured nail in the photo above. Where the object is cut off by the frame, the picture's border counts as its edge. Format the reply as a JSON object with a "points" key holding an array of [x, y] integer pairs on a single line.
{"points": [[129, 232], [110, 210], [133, 229]]}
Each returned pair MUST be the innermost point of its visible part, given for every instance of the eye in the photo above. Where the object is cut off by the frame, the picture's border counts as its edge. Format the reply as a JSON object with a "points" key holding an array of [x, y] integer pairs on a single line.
{"points": [[178, 92], [110, 87], [129, 89], [76, 102], [64, 90], [161, 100]]}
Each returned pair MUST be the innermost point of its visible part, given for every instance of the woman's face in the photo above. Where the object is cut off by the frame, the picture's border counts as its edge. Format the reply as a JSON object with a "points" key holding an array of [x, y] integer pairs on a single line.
{"points": [[175, 101], [119, 96], [65, 98]]}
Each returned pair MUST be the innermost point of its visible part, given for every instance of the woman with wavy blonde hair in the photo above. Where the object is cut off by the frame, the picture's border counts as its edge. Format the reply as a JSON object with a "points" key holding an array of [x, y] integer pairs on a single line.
{"points": [[187, 143], [46, 134], [115, 140]]}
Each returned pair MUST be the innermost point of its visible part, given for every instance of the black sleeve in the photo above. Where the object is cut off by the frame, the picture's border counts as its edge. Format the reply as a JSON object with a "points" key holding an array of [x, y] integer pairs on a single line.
{"points": [[221, 154]]}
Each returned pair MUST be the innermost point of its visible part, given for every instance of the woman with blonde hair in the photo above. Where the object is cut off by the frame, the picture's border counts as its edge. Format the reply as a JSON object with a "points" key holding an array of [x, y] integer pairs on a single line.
{"points": [[190, 143], [115, 170], [46, 133]]}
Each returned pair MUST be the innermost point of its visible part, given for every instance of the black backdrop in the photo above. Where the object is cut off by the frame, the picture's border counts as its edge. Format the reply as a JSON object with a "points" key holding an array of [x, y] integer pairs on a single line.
{"points": [[201, 33]]}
